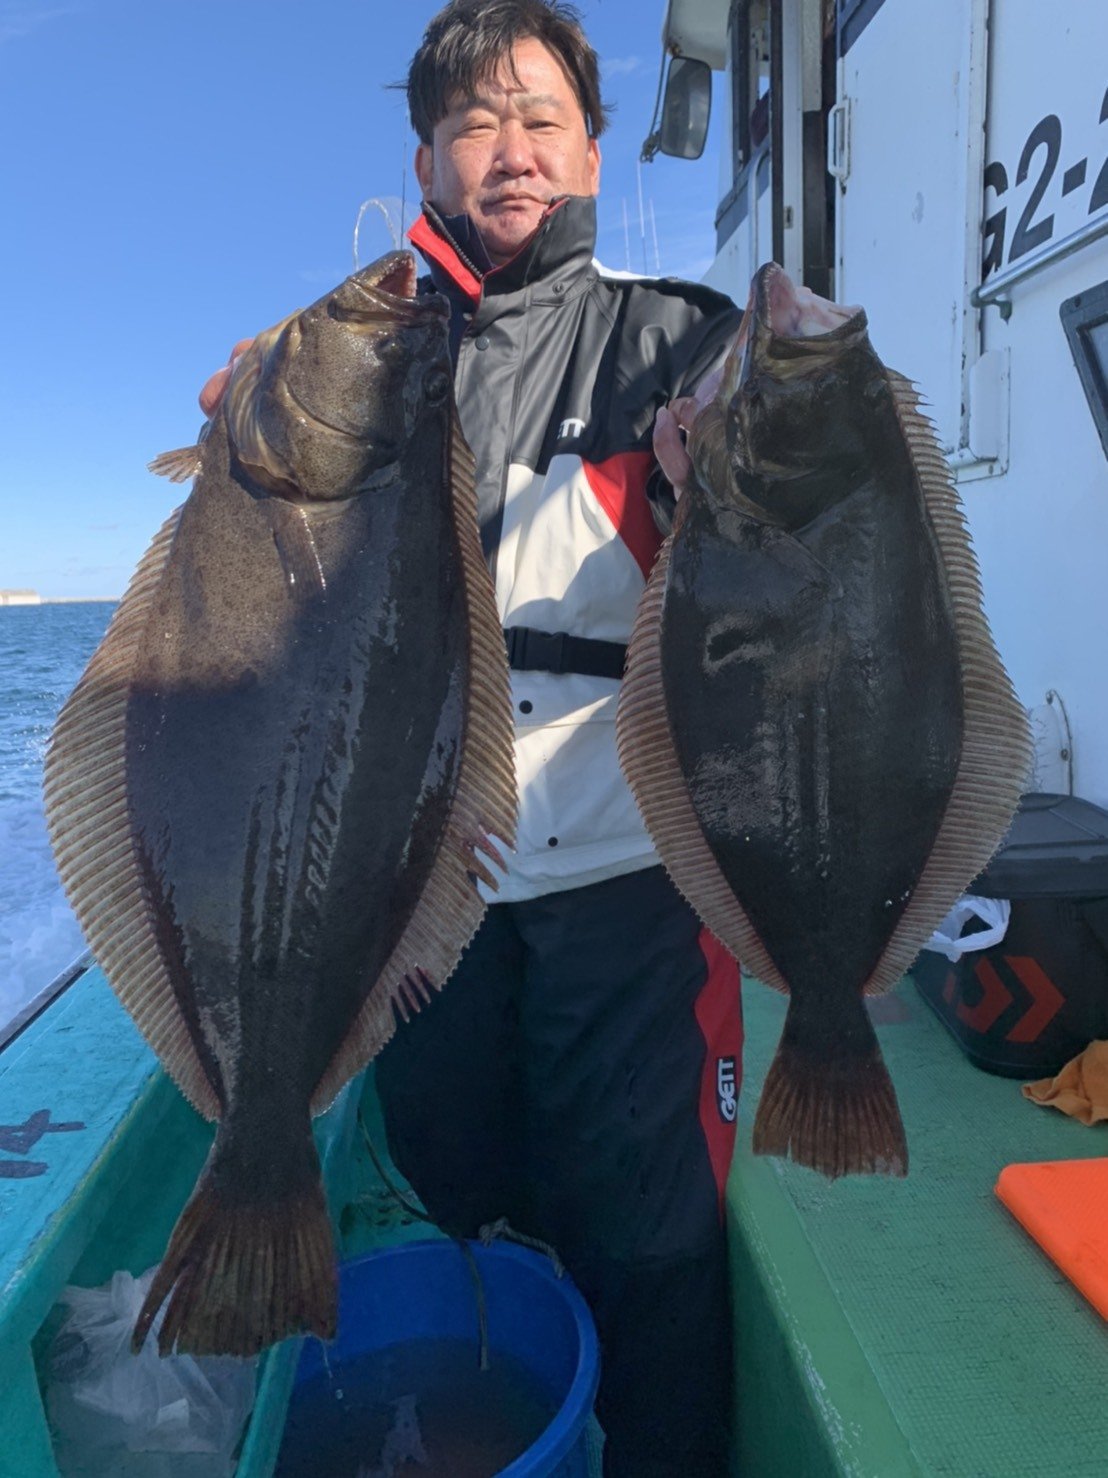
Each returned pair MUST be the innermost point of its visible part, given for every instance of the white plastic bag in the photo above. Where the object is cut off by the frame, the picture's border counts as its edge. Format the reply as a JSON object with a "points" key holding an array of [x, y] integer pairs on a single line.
{"points": [[948, 939], [119, 1415]]}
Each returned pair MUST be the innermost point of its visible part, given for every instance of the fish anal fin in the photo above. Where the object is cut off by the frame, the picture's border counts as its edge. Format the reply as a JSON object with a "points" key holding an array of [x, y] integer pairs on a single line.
{"points": [[239, 1277], [649, 761], [995, 762], [85, 788], [484, 806], [179, 465], [836, 1113]]}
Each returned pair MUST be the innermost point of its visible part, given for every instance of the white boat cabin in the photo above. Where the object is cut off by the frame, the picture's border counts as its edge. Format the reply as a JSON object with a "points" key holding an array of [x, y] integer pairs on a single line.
{"points": [[946, 166]]}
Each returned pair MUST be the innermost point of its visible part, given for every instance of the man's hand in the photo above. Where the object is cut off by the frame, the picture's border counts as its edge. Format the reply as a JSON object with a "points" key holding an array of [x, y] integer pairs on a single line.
{"points": [[673, 422], [215, 387]]}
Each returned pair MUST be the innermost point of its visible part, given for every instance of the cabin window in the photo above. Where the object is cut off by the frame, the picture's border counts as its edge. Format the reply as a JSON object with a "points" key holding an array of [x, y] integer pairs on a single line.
{"points": [[750, 63], [1085, 320], [750, 31]]}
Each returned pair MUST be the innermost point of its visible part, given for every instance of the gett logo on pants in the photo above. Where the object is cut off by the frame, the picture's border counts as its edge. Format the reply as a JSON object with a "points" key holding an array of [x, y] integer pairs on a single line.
{"points": [[726, 1097]]}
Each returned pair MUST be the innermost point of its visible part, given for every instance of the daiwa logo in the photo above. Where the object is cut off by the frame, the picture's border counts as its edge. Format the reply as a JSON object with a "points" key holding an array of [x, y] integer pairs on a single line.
{"points": [[570, 427], [726, 1097]]}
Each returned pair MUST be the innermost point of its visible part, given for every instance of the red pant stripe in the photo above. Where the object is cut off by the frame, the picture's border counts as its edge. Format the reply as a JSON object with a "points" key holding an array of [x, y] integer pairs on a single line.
{"points": [[719, 1016]]}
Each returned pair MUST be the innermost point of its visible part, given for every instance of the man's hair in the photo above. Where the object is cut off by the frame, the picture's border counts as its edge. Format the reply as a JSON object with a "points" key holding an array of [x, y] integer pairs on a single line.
{"points": [[467, 40]]}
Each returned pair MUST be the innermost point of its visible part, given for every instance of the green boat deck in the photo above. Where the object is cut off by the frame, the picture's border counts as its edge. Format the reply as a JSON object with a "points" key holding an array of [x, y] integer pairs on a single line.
{"points": [[885, 1327], [903, 1327]]}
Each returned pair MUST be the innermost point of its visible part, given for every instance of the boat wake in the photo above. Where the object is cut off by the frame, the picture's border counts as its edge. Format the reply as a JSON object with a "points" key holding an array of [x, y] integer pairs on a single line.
{"points": [[39, 935]]}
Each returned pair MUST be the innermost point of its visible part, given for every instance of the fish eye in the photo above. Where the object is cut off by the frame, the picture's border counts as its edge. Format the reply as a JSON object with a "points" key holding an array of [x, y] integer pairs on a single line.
{"points": [[436, 384]]}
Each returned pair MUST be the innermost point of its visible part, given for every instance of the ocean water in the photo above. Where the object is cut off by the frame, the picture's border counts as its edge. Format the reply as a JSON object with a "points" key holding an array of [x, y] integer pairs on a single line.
{"points": [[43, 651]]}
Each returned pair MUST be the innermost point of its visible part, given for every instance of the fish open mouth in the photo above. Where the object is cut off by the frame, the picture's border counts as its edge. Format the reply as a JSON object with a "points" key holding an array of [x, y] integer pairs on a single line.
{"points": [[792, 312], [395, 275], [386, 291]]}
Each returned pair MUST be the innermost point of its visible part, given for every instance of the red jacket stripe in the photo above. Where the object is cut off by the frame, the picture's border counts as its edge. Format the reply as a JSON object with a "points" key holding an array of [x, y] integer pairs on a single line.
{"points": [[436, 249], [619, 485]]}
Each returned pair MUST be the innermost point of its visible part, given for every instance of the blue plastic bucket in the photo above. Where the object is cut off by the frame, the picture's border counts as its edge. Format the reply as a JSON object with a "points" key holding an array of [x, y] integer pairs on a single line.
{"points": [[425, 1290]]}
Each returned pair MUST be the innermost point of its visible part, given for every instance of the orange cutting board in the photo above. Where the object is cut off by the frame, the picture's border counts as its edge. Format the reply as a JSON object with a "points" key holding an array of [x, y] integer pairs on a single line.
{"points": [[1064, 1205]]}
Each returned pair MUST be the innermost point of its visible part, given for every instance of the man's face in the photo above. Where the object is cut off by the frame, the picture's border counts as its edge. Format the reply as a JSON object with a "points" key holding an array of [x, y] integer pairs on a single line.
{"points": [[500, 157]]}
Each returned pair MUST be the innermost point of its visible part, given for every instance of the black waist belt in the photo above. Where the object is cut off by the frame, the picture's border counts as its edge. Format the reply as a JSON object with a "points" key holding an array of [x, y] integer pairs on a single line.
{"points": [[557, 651]]}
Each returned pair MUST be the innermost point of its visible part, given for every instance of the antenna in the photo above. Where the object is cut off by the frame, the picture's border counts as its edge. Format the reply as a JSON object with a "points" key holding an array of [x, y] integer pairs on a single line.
{"points": [[642, 226], [403, 188], [626, 236], [654, 233]]}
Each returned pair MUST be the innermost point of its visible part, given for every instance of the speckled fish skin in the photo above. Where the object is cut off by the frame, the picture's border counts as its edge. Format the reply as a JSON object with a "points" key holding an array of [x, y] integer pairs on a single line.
{"points": [[314, 735], [831, 693], [290, 759], [838, 658]]}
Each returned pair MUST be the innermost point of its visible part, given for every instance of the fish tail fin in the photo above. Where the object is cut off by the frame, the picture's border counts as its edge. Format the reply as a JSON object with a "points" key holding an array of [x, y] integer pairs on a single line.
{"points": [[834, 1110], [242, 1273]]}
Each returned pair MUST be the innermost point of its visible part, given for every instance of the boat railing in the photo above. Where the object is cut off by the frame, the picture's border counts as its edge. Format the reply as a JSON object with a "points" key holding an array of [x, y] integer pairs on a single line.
{"points": [[998, 290], [98, 1152], [45, 997]]}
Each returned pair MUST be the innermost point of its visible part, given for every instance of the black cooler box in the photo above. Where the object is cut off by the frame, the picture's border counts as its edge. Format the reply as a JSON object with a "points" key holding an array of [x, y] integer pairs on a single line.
{"points": [[1026, 1006]]}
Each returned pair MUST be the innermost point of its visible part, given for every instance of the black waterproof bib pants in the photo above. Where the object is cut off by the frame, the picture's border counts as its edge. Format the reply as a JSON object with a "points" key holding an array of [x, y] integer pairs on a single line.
{"points": [[578, 1075]]}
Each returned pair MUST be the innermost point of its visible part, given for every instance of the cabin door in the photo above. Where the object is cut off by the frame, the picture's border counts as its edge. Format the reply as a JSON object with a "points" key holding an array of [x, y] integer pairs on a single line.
{"points": [[781, 83], [906, 155]]}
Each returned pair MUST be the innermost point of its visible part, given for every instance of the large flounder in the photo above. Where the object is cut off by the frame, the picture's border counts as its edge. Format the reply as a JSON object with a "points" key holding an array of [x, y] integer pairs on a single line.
{"points": [[815, 722], [266, 791]]}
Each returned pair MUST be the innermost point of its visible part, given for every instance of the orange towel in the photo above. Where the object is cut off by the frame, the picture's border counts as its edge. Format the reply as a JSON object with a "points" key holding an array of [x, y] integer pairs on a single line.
{"points": [[1064, 1206], [1080, 1089]]}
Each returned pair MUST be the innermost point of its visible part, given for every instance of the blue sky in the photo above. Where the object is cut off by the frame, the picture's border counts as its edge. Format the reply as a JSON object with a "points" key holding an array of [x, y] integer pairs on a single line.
{"points": [[177, 174]]}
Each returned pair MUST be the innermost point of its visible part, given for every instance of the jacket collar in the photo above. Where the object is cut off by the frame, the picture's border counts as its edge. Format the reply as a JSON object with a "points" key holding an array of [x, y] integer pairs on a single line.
{"points": [[562, 247]]}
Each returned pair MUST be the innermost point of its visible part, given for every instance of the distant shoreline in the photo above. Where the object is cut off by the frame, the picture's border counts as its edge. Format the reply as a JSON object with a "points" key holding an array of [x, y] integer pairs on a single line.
{"points": [[58, 600]]}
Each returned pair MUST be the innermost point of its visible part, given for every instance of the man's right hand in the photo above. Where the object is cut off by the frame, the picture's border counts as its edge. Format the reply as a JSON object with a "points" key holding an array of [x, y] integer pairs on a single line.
{"points": [[674, 421], [214, 388], [671, 426]]}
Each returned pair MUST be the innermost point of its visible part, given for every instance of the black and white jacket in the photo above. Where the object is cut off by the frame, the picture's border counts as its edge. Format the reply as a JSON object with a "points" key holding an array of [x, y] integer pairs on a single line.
{"points": [[560, 368]]}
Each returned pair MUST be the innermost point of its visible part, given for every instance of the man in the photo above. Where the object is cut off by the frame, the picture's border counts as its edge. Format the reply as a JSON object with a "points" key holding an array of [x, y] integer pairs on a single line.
{"points": [[578, 1074]]}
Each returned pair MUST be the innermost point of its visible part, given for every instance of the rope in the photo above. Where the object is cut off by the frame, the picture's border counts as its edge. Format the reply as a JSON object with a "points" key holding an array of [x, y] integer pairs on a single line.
{"points": [[482, 1306], [491, 1232], [421, 1215], [394, 1190], [501, 1227]]}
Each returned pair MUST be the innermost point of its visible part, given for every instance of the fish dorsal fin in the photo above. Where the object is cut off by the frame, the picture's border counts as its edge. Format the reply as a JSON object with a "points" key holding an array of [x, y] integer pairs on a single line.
{"points": [[996, 753], [649, 761], [484, 805], [85, 787]]}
